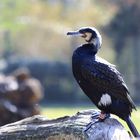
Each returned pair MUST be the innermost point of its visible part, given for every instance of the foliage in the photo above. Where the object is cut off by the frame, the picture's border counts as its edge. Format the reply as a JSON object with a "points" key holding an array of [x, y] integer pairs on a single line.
{"points": [[37, 29], [10, 12], [34, 35], [35, 26], [124, 29]]}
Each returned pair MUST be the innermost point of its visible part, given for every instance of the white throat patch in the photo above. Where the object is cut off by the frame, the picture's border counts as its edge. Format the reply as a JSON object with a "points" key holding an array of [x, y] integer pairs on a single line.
{"points": [[105, 100], [97, 42]]}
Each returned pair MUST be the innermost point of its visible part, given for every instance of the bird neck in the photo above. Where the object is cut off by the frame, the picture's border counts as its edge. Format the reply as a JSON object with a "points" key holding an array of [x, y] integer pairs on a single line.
{"points": [[90, 47]]}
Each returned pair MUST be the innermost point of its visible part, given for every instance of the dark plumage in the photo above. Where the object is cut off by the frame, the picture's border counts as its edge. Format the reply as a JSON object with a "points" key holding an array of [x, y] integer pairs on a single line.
{"points": [[100, 80]]}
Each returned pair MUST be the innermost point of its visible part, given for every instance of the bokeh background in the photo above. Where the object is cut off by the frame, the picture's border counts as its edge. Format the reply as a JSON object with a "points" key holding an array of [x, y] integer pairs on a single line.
{"points": [[33, 36]]}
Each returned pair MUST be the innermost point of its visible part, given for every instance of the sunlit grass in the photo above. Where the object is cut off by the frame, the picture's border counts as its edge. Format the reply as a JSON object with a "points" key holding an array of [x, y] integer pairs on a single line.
{"points": [[55, 112]]}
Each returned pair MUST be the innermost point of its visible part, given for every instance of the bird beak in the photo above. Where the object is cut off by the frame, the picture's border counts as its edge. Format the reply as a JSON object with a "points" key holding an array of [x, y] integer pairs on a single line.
{"points": [[76, 33]]}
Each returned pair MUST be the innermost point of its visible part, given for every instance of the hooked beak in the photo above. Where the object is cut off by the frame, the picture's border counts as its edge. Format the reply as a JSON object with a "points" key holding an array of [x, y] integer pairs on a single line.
{"points": [[76, 33]]}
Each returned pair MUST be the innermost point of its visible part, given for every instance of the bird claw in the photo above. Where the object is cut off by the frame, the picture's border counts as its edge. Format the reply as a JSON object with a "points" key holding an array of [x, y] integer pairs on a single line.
{"points": [[96, 117], [103, 116]]}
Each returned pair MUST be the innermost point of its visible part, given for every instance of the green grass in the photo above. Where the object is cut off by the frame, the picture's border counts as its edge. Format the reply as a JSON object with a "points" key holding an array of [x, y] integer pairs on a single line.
{"points": [[55, 112]]}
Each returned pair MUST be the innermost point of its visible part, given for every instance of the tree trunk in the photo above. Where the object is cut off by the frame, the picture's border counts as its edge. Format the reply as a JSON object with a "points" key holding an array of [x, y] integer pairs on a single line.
{"points": [[65, 128]]}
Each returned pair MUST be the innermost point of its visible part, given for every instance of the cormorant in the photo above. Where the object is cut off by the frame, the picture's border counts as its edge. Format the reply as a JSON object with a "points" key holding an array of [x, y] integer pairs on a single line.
{"points": [[100, 80]]}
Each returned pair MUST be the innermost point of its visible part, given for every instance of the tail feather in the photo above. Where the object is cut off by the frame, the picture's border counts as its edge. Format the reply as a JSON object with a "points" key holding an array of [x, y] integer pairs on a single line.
{"points": [[132, 127]]}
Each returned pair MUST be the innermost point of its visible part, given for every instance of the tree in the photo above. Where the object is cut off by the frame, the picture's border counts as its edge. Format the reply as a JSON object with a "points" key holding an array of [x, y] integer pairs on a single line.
{"points": [[125, 29]]}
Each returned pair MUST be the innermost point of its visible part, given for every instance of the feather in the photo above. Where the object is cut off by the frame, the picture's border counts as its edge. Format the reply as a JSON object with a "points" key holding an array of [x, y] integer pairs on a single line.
{"points": [[106, 78]]}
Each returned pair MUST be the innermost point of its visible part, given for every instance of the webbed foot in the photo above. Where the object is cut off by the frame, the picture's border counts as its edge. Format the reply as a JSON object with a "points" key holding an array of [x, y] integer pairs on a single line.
{"points": [[97, 117], [103, 116]]}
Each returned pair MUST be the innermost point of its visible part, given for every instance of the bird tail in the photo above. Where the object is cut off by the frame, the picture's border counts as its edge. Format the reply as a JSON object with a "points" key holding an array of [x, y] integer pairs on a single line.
{"points": [[132, 127]]}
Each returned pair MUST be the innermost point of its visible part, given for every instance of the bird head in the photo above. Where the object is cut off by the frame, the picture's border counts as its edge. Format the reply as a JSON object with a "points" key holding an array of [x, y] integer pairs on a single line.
{"points": [[90, 34]]}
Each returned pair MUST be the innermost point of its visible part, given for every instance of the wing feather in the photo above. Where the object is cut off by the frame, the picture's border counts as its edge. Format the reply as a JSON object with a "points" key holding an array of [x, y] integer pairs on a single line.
{"points": [[107, 79]]}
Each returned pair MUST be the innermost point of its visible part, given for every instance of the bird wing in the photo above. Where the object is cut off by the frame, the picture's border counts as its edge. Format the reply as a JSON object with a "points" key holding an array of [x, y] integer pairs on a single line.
{"points": [[107, 79]]}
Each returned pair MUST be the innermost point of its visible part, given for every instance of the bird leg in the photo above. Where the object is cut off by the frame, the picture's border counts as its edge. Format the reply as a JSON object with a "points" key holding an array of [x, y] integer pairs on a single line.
{"points": [[103, 116], [96, 117]]}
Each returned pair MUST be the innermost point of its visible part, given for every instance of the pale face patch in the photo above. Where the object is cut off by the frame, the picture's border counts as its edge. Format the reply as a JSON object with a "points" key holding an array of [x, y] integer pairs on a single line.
{"points": [[105, 100], [87, 36]]}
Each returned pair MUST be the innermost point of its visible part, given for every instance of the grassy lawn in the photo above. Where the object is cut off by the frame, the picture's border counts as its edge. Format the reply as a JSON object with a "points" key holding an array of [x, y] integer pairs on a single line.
{"points": [[55, 112]]}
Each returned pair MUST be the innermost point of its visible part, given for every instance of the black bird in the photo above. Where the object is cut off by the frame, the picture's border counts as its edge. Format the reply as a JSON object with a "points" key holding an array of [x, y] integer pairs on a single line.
{"points": [[100, 80]]}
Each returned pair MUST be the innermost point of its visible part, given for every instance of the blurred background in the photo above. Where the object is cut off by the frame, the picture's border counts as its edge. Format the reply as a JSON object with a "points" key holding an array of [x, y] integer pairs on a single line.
{"points": [[36, 53]]}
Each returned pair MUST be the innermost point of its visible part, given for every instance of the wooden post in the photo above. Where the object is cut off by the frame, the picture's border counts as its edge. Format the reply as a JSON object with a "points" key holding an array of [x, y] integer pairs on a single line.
{"points": [[65, 128]]}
